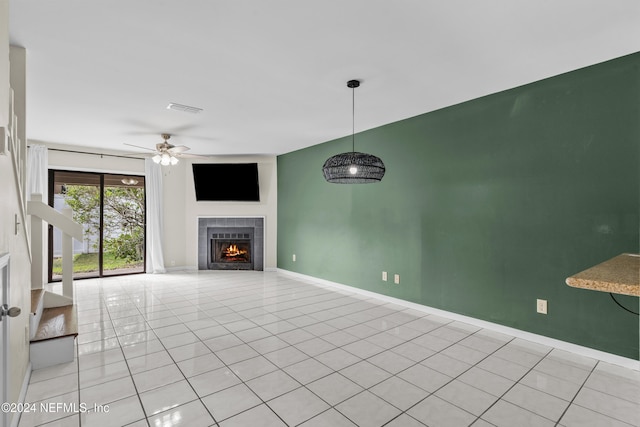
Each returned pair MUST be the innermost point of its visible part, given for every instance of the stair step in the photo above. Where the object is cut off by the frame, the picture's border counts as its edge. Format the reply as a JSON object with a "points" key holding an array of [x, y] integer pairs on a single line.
{"points": [[57, 322], [36, 297]]}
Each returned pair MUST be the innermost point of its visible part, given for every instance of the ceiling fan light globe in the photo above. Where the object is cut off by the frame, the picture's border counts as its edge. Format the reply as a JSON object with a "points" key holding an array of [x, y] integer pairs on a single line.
{"points": [[156, 158], [174, 161], [166, 159]]}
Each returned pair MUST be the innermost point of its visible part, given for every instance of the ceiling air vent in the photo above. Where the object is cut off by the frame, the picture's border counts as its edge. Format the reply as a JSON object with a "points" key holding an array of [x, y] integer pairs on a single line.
{"points": [[183, 108]]}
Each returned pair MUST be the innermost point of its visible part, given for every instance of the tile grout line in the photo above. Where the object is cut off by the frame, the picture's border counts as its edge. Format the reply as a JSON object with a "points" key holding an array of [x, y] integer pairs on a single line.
{"points": [[301, 327], [576, 395], [199, 398], [389, 349], [125, 361], [339, 329], [246, 291], [78, 372], [293, 345], [516, 383], [456, 377]]}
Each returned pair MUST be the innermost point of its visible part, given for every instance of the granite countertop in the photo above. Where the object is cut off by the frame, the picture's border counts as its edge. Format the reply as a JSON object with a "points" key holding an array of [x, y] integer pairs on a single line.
{"points": [[619, 275]]}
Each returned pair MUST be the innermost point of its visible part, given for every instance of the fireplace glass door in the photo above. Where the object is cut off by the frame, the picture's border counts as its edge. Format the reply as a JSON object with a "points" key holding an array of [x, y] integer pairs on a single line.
{"points": [[231, 251]]}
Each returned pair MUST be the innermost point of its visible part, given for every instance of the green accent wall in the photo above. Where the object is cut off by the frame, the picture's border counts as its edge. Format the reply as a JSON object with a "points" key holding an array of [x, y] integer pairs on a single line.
{"points": [[486, 206]]}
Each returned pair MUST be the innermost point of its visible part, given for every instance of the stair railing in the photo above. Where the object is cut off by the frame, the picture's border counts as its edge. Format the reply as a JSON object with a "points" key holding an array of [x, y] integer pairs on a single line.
{"points": [[40, 212]]}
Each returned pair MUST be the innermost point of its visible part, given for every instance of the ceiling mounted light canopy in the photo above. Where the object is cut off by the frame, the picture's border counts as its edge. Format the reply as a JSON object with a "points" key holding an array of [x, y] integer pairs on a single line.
{"points": [[353, 167]]}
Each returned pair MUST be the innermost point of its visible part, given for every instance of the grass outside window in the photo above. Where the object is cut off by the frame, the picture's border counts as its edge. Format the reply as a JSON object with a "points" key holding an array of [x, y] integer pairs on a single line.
{"points": [[86, 263]]}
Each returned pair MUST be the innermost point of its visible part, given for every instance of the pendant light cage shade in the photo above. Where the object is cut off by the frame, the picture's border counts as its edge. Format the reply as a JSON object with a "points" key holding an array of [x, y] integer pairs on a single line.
{"points": [[353, 168]]}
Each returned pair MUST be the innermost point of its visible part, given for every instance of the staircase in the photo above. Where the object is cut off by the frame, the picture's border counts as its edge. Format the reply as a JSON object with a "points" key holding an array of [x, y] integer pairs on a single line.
{"points": [[53, 330], [53, 321]]}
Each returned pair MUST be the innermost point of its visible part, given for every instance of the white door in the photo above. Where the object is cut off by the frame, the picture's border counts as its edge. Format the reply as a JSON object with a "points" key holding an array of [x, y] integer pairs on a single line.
{"points": [[5, 314]]}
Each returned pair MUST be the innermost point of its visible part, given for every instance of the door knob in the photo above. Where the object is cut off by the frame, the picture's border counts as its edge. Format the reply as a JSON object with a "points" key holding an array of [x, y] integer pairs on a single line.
{"points": [[11, 312]]}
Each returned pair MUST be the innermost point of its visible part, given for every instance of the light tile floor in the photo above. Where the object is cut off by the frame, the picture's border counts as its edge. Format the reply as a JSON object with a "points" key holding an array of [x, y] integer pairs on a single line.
{"points": [[263, 349]]}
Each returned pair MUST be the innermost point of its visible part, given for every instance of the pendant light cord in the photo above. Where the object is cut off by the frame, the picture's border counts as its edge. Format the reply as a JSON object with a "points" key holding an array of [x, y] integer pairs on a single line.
{"points": [[353, 119]]}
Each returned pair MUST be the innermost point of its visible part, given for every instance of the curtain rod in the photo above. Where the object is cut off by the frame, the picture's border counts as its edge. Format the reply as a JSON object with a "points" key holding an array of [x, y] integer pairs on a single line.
{"points": [[93, 154]]}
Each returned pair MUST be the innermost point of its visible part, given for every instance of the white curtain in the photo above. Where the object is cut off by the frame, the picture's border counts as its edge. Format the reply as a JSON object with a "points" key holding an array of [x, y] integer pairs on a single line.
{"points": [[37, 171], [153, 181]]}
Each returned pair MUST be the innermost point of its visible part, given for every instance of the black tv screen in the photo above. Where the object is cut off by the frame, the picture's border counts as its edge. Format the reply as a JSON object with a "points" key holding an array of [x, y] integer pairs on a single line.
{"points": [[231, 182]]}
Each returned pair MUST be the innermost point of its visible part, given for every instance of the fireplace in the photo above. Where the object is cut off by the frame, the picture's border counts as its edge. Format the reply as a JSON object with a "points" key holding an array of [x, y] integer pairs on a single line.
{"points": [[230, 243]]}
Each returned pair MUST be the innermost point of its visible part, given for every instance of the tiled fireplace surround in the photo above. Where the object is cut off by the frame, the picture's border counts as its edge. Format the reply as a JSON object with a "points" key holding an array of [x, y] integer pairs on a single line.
{"points": [[228, 224]]}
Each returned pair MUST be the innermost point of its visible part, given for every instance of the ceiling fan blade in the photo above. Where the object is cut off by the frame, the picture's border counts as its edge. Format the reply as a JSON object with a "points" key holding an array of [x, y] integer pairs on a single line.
{"points": [[176, 149], [192, 156], [137, 146]]}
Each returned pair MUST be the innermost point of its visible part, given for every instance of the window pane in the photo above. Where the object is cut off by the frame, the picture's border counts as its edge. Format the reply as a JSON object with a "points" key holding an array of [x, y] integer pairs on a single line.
{"points": [[123, 232], [81, 193], [120, 233]]}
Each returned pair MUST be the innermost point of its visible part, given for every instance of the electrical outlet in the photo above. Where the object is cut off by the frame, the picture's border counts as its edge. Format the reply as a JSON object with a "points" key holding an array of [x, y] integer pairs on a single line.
{"points": [[294, 257], [541, 306], [396, 279], [384, 276]]}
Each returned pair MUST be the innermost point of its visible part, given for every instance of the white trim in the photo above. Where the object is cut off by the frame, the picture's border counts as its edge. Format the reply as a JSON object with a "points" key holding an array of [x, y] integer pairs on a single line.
{"points": [[62, 168], [518, 333], [23, 394], [4, 141], [5, 366], [181, 268], [193, 268]]}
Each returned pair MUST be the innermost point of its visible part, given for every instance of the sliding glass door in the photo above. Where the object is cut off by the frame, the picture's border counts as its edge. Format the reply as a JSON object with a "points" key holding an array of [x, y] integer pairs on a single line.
{"points": [[110, 208], [123, 225]]}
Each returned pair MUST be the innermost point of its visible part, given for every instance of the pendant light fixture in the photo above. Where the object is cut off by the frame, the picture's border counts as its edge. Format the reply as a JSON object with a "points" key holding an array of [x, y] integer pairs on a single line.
{"points": [[353, 167]]}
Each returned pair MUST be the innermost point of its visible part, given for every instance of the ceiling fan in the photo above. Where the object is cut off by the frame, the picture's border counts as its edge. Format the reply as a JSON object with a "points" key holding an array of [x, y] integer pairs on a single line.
{"points": [[165, 153]]}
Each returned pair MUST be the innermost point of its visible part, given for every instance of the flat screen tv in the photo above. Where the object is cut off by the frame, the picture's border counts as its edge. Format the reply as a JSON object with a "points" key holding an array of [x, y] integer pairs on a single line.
{"points": [[230, 182]]}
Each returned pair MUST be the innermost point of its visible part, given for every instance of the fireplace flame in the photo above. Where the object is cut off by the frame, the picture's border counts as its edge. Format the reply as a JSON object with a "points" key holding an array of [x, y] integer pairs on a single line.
{"points": [[233, 251]]}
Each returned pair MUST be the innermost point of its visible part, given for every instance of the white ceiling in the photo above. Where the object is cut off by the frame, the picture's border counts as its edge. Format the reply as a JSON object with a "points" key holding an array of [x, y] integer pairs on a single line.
{"points": [[271, 75]]}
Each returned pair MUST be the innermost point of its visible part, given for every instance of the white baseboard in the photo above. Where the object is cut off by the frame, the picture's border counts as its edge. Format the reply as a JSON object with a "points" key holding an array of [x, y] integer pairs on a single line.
{"points": [[23, 394], [181, 268], [195, 268], [518, 333]]}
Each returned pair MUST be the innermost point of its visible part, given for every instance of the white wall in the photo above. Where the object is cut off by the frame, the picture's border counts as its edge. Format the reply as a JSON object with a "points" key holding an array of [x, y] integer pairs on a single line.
{"points": [[175, 224], [182, 210], [15, 244], [90, 162], [20, 279]]}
